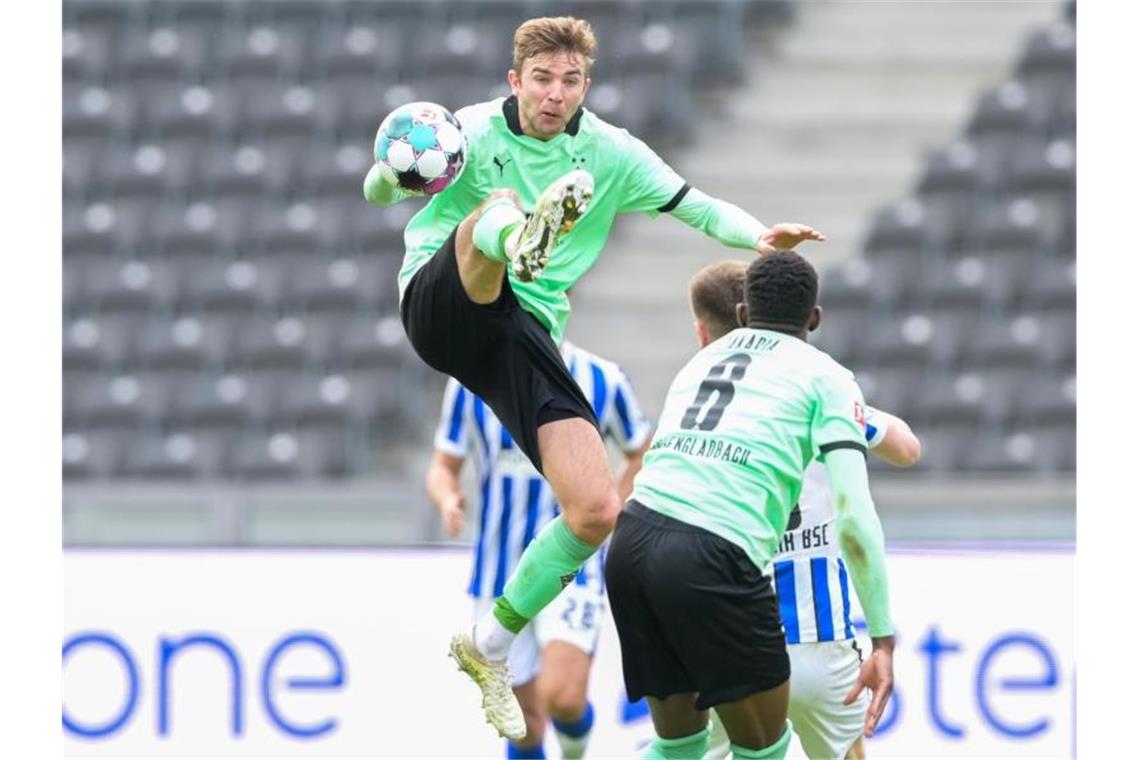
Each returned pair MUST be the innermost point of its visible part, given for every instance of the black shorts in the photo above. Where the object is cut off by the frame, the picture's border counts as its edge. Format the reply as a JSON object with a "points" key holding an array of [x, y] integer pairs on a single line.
{"points": [[693, 612], [498, 351]]}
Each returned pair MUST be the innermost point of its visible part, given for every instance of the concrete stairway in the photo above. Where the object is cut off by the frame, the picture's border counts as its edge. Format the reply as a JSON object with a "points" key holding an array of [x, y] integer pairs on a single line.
{"points": [[831, 125]]}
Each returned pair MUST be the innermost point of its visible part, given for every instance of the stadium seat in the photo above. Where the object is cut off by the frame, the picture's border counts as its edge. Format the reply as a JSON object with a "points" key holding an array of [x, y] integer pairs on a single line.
{"points": [[248, 168], [145, 170], [125, 400], [850, 284], [1010, 109], [919, 339], [133, 285], [1048, 168], [840, 334], [202, 225], [98, 342], [286, 342], [166, 54], [104, 226], [264, 51], [91, 454], [287, 109], [335, 171], [233, 286], [907, 226], [91, 110], [359, 50], [184, 342], [1051, 285], [225, 402], [87, 52], [343, 285], [1047, 399], [890, 389], [288, 455], [960, 283], [379, 230], [1011, 451], [1019, 225], [176, 455], [374, 342], [956, 168]]}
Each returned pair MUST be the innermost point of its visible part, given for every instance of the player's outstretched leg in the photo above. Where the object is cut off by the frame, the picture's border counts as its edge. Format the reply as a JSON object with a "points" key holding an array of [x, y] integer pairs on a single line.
{"points": [[555, 214], [498, 234], [575, 464]]}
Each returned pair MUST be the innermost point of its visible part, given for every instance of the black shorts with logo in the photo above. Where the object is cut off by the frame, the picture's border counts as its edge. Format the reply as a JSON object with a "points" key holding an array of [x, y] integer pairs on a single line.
{"points": [[693, 612], [498, 351]]}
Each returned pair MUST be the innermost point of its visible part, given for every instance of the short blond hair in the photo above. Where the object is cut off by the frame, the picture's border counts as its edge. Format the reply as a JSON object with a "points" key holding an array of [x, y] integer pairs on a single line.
{"points": [[714, 293], [554, 34]]}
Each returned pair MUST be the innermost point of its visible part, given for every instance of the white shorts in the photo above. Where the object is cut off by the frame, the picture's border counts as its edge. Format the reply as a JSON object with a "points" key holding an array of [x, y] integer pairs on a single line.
{"points": [[822, 674], [575, 616]]}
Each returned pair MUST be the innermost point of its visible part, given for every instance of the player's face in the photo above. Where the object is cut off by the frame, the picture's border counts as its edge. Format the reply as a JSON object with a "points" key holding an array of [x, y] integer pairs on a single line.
{"points": [[550, 90]]}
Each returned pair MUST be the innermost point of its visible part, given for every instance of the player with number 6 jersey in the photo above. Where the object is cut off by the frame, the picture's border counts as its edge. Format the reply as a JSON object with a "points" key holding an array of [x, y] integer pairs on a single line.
{"points": [[697, 618]]}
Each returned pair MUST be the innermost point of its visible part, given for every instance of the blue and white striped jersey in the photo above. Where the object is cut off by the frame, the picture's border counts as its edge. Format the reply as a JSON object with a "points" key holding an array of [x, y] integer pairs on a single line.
{"points": [[810, 575], [515, 502]]}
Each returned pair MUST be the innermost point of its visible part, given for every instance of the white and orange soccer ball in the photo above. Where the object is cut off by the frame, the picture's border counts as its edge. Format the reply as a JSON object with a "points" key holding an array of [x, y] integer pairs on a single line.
{"points": [[420, 148]]}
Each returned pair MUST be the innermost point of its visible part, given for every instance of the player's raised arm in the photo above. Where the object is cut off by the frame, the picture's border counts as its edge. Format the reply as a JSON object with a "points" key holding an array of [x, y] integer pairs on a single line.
{"points": [[891, 439], [653, 187]]}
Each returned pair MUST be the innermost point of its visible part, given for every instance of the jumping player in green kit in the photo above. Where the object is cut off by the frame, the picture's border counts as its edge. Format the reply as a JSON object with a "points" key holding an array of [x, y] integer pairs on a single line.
{"points": [[698, 620], [482, 298]]}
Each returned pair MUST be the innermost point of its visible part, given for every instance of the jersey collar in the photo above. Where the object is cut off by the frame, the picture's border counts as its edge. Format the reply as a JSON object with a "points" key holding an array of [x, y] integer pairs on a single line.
{"points": [[511, 114]]}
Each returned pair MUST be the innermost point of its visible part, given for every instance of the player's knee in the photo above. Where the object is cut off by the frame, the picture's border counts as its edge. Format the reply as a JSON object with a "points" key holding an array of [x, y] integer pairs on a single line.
{"points": [[595, 520], [566, 704], [503, 192]]}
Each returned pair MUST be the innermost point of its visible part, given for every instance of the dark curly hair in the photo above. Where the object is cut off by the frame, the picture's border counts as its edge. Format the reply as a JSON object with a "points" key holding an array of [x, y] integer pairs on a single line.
{"points": [[781, 288]]}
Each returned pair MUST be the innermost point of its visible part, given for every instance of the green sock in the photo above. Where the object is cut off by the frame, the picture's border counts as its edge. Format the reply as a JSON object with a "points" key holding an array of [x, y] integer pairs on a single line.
{"points": [[547, 565], [691, 747], [775, 751], [496, 221]]}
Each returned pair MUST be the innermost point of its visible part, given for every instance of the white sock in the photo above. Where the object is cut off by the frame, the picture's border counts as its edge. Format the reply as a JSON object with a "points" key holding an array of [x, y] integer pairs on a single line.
{"points": [[572, 748], [719, 746], [491, 639]]}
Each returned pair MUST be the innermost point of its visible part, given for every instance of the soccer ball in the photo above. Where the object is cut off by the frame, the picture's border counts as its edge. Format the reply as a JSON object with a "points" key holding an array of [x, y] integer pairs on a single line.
{"points": [[421, 148]]}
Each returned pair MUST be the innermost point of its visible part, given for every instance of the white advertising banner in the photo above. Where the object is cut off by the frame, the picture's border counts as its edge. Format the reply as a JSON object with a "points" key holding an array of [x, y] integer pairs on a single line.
{"points": [[290, 654]]}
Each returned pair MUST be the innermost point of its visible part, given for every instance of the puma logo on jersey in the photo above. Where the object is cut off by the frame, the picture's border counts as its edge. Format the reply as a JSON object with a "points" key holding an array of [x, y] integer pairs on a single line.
{"points": [[501, 164]]}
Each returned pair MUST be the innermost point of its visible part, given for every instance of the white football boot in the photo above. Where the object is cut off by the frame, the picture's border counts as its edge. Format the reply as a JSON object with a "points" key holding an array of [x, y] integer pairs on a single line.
{"points": [[555, 214], [494, 680]]}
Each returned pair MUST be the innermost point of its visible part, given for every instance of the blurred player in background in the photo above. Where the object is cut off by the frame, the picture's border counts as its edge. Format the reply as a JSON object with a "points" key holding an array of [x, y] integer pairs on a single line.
{"points": [[828, 705], [550, 660], [482, 298], [698, 619]]}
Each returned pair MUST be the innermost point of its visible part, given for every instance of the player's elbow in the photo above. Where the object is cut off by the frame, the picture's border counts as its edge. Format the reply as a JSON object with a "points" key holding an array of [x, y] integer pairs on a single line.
{"points": [[852, 548]]}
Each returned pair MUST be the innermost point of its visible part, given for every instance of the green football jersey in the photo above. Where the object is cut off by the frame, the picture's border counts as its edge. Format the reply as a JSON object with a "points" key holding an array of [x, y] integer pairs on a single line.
{"points": [[628, 176], [741, 422]]}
